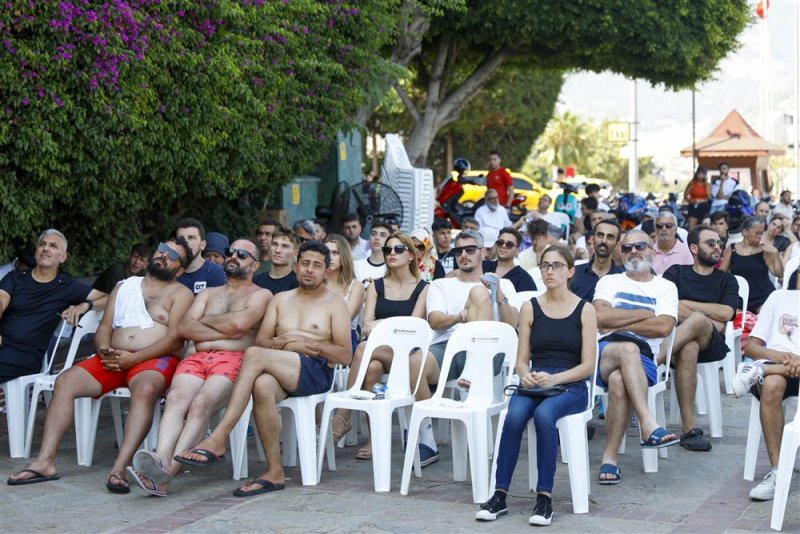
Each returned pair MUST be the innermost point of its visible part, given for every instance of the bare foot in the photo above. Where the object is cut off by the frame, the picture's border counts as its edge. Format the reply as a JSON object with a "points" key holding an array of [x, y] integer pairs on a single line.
{"points": [[339, 427], [43, 468]]}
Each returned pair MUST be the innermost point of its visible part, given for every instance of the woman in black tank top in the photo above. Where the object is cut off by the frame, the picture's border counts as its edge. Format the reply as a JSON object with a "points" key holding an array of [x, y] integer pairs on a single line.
{"points": [[399, 293], [557, 346]]}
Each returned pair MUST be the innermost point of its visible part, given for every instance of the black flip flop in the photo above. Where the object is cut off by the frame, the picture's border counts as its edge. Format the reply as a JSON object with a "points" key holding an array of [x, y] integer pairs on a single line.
{"points": [[211, 458], [35, 479], [266, 487], [120, 487]]}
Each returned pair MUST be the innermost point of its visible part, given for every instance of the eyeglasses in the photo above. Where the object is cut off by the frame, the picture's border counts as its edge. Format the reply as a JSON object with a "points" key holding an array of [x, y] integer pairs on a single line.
{"points": [[241, 253], [641, 246], [420, 247], [397, 249], [714, 242], [170, 252], [665, 226], [502, 243], [556, 266], [470, 250]]}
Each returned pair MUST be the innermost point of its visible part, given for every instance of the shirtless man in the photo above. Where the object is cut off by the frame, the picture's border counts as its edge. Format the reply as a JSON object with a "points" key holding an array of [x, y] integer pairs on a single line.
{"points": [[306, 331], [222, 322], [135, 340]]}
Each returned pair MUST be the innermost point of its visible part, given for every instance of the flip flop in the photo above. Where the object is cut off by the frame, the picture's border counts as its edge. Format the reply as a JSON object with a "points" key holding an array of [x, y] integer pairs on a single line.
{"points": [[658, 439], [35, 479], [266, 487], [147, 485], [121, 486], [151, 466], [211, 458], [609, 469], [347, 428]]}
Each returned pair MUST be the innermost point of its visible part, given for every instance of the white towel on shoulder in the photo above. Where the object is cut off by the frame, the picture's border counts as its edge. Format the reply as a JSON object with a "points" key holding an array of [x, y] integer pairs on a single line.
{"points": [[129, 308]]}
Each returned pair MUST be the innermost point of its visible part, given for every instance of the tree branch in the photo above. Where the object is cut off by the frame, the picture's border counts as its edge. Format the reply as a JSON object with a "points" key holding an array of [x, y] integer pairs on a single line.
{"points": [[437, 69], [412, 110]]}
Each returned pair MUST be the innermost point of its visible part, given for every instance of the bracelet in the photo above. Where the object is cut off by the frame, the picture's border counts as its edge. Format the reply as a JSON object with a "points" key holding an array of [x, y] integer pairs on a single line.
{"points": [[90, 303], [504, 301]]}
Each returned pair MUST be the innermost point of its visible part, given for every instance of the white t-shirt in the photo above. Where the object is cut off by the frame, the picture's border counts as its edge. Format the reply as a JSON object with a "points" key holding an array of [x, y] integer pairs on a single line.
{"points": [[659, 295], [777, 324], [492, 221], [449, 295], [361, 250], [364, 269]]}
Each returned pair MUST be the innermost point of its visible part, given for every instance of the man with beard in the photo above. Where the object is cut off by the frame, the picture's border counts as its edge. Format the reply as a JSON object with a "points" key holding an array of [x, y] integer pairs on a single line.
{"points": [[707, 299], [636, 311], [136, 341], [222, 322], [507, 246], [201, 273], [669, 251], [604, 240], [264, 241], [305, 333]]}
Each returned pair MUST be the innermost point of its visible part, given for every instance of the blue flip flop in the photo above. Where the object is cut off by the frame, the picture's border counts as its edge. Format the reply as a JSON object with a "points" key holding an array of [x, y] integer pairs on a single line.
{"points": [[658, 439], [609, 469]]}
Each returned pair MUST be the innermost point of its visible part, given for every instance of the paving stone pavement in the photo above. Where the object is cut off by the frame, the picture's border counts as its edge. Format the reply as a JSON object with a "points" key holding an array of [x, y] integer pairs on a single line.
{"points": [[692, 492]]}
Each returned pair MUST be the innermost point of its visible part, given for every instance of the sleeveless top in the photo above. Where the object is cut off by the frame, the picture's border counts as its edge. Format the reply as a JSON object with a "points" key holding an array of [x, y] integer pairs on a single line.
{"points": [[385, 308], [754, 269], [556, 342], [698, 192]]}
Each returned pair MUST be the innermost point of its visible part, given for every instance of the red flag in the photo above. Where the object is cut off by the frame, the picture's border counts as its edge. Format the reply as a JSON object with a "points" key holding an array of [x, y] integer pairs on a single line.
{"points": [[761, 8]]}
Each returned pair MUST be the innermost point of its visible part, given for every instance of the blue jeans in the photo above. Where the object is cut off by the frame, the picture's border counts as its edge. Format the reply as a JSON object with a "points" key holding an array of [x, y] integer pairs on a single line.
{"points": [[545, 413]]}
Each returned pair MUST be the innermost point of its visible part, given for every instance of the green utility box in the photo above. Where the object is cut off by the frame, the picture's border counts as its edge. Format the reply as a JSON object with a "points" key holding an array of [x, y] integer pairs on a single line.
{"points": [[300, 197]]}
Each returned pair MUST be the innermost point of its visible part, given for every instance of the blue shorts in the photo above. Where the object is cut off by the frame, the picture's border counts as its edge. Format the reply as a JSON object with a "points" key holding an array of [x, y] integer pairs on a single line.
{"points": [[649, 366], [315, 376]]}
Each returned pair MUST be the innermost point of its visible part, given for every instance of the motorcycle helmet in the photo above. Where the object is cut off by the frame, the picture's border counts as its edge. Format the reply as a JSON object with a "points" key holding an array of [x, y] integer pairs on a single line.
{"points": [[739, 204], [461, 165]]}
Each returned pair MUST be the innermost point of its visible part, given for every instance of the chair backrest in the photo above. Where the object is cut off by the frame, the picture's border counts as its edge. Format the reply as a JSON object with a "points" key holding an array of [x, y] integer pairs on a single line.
{"points": [[581, 262], [403, 335], [481, 340], [522, 297], [663, 371], [87, 325], [536, 274], [593, 379], [791, 266], [744, 291], [560, 219]]}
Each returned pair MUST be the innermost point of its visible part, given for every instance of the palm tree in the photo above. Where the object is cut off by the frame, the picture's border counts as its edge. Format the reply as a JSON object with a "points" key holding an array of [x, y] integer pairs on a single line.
{"points": [[567, 140]]}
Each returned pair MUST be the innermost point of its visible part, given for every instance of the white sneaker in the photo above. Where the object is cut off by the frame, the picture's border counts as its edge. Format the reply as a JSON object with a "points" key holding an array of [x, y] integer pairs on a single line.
{"points": [[748, 375], [766, 490]]}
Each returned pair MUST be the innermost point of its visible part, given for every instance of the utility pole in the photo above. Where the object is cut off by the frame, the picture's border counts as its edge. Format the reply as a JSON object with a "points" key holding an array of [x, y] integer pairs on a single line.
{"points": [[633, 163], [694, 134]]}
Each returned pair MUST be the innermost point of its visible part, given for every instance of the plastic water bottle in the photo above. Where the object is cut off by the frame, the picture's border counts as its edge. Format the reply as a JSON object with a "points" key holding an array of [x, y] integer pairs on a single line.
{"points": [[380, 391]]}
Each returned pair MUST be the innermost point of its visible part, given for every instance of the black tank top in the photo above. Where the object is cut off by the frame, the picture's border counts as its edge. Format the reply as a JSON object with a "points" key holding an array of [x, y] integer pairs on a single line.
{"points": [[385, 308], [556, 342], [754, 269]]}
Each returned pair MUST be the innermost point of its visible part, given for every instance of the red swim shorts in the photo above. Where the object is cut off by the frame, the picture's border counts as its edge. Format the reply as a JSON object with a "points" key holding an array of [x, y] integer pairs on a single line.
{"points": [[212, 363], [109, 380]]}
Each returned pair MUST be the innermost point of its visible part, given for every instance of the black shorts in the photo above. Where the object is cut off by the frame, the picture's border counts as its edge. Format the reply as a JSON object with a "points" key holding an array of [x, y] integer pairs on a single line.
{"points": [[315, 376], [700, 211], [716, 350], [792, 388]]}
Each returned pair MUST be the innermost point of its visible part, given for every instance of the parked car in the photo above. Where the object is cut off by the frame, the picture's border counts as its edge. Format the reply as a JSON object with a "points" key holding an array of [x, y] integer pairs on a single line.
{"points": [[524, 186]]}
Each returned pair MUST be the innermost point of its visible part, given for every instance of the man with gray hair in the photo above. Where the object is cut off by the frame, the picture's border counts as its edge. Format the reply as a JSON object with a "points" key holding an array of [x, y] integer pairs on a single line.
{"points": [[450, 303], [33, 301], [669, 250], [636, 311], [304, 229]]}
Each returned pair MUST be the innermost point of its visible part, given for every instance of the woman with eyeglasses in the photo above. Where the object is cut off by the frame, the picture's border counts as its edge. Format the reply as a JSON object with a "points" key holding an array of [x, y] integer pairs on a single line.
{"points": [[340, 278], [753, 261], [400, 293], [556, 346], [429, 267]]}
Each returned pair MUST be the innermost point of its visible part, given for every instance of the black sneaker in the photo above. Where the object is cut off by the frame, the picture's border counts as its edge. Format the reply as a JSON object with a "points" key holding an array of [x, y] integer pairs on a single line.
{"points": [[542, 512], [492, 509]]}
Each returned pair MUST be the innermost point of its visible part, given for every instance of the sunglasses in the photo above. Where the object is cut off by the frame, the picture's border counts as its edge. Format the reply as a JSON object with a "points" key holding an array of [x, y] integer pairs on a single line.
{"points": [[641, 246], [397, 249], [470, 250], [421, 247], [665, 226], [241, 253], [502, 243], [171, 253], [714, 242], [556, 266]]}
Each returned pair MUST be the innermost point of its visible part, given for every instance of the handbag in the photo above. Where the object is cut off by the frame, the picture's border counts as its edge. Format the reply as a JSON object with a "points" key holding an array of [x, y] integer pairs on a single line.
{"points": [[535, 392]]}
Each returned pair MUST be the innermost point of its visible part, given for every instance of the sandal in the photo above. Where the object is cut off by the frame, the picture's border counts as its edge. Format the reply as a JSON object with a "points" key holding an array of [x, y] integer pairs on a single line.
{"points": [[337, 436], [364, 453], [117, 484]]}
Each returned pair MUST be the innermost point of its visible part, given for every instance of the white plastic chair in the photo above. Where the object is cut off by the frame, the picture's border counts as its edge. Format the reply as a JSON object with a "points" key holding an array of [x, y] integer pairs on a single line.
{"points": [[47, 383], [524, 296], [754, 433], [536, 274], [404, 335], [655, 404], [791, 266], [18, 400], [789, 445], [560, 219], [733, 338], [481, 340], [574, 444]]}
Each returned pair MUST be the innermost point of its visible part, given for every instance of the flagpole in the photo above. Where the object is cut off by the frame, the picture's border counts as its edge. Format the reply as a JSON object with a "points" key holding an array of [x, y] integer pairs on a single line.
{"points": [[797, 95]]}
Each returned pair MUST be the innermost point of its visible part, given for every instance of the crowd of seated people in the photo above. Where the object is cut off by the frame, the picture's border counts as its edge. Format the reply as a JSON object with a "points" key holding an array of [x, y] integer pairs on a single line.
{"points": [[208, 322]]}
